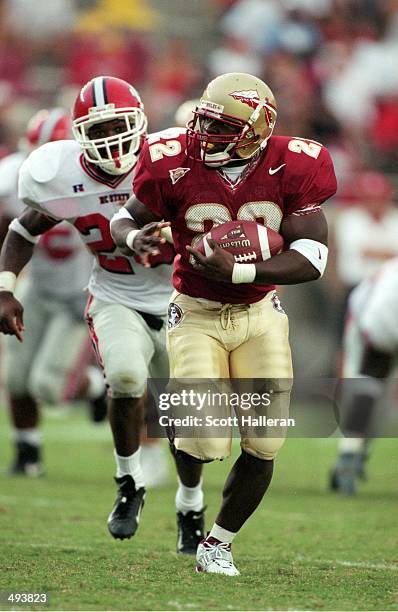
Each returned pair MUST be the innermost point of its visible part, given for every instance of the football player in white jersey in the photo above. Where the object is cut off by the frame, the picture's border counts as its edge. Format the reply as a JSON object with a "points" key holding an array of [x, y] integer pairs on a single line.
{"points": [[85, 181], [370, 348], [52, 292]]}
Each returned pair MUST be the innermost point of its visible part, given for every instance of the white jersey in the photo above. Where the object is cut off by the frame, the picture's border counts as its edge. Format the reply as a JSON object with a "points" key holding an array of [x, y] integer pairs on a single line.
{"points": [[10, 204], [57, 181], [373, 305], [60, 266]]}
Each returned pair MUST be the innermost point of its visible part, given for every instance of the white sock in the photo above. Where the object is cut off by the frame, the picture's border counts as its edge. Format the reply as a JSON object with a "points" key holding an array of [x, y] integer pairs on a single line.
{"points": [[221, 534], [189, 498], [96, 382], [30, 436], [351, 445], [130, 466]]}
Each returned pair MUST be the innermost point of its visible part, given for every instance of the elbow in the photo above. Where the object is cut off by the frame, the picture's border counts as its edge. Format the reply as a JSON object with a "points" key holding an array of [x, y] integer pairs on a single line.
{"points": [[314, 274]]}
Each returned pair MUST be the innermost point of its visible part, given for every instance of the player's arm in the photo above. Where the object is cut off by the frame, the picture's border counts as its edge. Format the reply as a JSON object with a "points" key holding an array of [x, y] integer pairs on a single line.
{"points": [[136, 229], [16, 252], [4, 223], [304, 261]]}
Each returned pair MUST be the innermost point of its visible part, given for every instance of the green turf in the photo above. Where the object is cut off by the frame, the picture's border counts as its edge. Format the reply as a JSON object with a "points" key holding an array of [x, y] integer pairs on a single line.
{"points": [[303, 549]]}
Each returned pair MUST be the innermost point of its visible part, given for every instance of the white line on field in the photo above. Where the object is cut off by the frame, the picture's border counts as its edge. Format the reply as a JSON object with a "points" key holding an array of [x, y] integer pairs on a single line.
{"points": [[190, 606], [360, 564], [381, 566]]}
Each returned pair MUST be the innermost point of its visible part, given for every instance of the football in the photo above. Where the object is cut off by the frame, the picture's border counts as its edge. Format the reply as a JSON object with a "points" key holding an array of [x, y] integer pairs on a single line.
{"points": [[247, 241]]}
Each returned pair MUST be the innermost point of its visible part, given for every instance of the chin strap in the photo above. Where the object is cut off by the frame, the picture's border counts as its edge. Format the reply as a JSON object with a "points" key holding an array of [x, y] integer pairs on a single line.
{"points": [[116, 159]]}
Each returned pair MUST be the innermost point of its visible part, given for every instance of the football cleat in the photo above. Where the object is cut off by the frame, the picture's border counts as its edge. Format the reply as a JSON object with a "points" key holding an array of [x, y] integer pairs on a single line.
{"points": [[125, 516], [215, 557], [348, 469], [27, 461], [190, 530], [99, 408]]}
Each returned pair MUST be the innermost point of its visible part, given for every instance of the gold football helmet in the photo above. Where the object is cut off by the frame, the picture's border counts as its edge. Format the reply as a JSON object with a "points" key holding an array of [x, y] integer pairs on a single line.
{"points": [[234, 119]]}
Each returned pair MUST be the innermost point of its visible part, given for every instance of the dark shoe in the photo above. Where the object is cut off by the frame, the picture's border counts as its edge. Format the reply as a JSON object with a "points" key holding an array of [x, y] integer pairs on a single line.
{"points": [[348, 469], [125, 516], [190, 529], [27, 461]]}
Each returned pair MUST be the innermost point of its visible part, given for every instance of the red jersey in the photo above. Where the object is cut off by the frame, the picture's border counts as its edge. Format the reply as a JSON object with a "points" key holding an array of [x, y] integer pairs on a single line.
{"points": [[292, 176]]}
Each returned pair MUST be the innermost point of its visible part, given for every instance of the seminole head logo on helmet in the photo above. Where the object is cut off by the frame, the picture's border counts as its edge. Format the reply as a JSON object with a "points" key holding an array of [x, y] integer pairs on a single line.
{"points": [[234, 120]]}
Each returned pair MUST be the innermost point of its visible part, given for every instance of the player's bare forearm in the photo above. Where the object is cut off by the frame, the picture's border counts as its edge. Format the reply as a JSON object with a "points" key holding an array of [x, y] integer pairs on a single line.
{"points": [[17, 250], [138, 231], [4, 223], [288, 268], [140, 215], [291, 267], [15, 253], [120, 229]]}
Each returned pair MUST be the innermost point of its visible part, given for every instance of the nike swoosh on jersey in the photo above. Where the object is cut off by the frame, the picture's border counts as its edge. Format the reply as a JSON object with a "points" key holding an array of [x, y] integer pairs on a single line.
{"points": [[273, 170]]}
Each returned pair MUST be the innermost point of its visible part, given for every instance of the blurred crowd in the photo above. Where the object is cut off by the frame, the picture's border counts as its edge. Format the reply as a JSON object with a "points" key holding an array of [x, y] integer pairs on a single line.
{"points": [[330, 63]]}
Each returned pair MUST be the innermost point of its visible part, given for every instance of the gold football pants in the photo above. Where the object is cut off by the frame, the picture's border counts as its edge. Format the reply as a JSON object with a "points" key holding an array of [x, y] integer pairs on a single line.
{"points": [[209, 340]]}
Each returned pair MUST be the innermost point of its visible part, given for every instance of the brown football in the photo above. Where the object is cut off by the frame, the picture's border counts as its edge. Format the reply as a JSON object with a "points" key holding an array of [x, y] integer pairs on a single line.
{"points": [[247, 241]]}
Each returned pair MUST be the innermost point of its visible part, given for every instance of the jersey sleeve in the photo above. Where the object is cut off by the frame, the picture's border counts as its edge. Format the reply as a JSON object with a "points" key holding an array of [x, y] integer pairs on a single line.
{"points": [[149, 185], [310, 182]]}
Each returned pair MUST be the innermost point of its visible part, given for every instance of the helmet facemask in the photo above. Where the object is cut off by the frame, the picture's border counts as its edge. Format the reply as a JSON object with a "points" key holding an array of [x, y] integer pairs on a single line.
{"points": [[242, 143], [115, 154]]}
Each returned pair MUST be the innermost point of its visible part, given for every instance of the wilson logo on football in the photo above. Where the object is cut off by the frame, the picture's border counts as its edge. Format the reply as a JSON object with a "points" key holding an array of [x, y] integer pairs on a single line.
{"points": [[235, 238], [177, 173]]}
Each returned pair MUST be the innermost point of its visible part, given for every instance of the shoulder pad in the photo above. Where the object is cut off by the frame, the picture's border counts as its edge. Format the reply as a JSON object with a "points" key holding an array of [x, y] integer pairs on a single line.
{"points": [[44, 163]]}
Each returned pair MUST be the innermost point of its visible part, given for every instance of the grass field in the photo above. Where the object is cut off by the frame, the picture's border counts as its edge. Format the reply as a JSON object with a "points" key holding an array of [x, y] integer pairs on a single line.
{"points": [[303, 549]]}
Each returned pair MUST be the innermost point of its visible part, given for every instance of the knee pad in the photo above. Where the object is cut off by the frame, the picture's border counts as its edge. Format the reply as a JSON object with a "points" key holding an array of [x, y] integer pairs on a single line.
{"points": [[127, 382], [262, 448]]}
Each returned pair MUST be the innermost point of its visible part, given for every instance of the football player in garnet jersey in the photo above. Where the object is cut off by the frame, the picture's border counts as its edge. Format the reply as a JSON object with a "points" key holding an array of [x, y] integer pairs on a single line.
{"points": [[229, 166], [85, 181], [370, 348]]}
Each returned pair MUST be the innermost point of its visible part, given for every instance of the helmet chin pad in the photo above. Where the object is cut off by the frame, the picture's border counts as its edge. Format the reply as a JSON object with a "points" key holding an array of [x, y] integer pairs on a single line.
{"points": [[115, 167]]}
